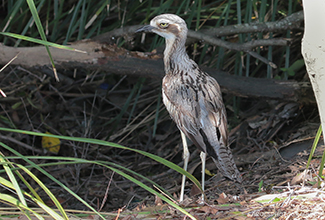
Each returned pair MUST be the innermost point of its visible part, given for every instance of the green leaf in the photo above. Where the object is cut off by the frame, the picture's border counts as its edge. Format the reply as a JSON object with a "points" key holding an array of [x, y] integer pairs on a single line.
{"points": [[16, 203], [105, 143], [297, 65], [260, 185], [12, 178], [37, 41]]}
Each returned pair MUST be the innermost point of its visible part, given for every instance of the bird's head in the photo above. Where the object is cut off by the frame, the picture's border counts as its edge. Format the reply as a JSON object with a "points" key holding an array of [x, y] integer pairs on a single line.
{"points": [[169, 26]]}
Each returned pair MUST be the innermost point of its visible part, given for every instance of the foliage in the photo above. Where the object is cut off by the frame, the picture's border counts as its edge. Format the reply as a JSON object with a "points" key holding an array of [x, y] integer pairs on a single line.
{"points": [[68, 21], [21, 203], [121, 121], [316, 141]]}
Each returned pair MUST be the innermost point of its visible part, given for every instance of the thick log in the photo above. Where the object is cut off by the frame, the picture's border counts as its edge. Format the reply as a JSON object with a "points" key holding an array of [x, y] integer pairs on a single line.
{"points": [[111, 59]]}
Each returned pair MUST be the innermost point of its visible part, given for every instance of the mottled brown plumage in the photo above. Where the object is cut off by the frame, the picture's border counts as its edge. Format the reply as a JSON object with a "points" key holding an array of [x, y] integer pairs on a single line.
{"points": [[193, 98]]}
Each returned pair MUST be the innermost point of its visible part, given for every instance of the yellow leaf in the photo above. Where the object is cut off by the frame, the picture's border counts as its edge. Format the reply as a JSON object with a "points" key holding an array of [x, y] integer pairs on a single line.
{"points": [[51, 144], [208, 172]]}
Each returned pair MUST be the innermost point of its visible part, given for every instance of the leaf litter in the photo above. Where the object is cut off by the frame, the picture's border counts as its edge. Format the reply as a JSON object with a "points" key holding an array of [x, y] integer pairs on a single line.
{"points": [[270, 147]]}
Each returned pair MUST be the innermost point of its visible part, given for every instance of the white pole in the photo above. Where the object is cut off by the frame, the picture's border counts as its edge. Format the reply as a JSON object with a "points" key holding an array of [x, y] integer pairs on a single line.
{"points": [[313, 50]]}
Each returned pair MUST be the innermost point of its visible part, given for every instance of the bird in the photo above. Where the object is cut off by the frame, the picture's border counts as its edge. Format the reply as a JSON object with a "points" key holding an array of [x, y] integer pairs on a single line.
{"points": [[193, 99]]}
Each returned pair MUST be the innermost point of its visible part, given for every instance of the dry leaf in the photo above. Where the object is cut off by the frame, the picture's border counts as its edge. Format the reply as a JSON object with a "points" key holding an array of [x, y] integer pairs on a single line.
{"points": [[51, 144], [223, 199], [194, 191], [208, 210], [158, 201]]}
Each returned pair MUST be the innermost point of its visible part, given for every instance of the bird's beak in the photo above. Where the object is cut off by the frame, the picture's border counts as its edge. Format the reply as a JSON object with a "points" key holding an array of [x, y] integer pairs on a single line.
{"points": [[147, 28]]}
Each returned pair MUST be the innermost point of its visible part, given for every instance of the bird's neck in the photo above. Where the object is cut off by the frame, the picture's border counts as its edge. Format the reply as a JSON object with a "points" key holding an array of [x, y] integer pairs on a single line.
{"points": [[175, 55]]}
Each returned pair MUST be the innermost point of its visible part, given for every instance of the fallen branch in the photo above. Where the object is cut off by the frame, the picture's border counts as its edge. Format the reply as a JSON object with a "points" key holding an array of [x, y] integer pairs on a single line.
{"points": [[106, 57], [111, 59]]}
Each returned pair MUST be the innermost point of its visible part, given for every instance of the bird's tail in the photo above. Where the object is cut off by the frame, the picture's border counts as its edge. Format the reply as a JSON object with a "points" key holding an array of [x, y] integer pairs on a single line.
{"points": [[222, 156], [226, 164]]}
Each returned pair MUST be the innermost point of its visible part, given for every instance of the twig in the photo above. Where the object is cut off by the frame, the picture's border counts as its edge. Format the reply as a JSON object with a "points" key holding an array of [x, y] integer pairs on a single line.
{"points": [[119, 212], [288, 23], [21, 144], [106, 193], [238, 46], [7, 64], [198, 35], [162, 192], [263, 59], [10, 61], [280, 156]]}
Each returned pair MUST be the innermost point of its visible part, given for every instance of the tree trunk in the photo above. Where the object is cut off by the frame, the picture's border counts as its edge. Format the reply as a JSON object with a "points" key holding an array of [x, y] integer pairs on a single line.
{"points": [[313, 51]]}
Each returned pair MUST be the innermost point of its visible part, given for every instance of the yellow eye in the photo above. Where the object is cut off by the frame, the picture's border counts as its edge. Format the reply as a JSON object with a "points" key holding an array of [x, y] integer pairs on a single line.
{"points": [[163, 25]]}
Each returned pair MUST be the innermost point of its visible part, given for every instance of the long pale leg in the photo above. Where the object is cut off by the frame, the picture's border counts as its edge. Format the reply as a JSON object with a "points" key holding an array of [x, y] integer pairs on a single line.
{"points": [[186, 156], [203, 158]]}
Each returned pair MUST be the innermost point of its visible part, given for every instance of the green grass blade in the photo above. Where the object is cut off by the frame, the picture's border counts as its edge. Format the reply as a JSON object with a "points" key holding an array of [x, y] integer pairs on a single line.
{"points": [[153, 192], [81, 23], [117, 120], [73, 22], [50, 177], [50, 211], [140, 85], [287, 51], [37, 20], [95, 16], [25, 182], [155, 125], [71, 161], [8, 184], [37, 41], [48, 192], [29, 23], [41, 32], [110, 144], [167, 163], [12, 14], [316, 140], [312, 151], [83, 161], [40, 203], [111, 168], [12, 178], [15, 202], [321, 168]]}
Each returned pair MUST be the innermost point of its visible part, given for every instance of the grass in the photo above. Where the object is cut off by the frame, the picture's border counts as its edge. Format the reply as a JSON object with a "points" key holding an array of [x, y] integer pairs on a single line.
{"points": [[21, 202], [78, 20], [136, 110]]}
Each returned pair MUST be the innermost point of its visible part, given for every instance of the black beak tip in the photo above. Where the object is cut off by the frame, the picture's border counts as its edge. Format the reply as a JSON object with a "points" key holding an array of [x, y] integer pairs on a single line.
{"points": [[147, 28]]}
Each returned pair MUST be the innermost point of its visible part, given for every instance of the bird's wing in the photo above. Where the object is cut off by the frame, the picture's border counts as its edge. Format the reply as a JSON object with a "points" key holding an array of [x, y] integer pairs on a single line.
{"points": [[181, 101], [216, 137], [189, 102], [199, 113], [215, 108], [194, 106]]}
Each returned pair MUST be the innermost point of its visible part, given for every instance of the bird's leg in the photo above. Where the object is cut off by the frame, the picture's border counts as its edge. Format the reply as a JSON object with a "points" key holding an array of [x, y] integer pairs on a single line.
{"points": [[203, 158], [186, 156]]}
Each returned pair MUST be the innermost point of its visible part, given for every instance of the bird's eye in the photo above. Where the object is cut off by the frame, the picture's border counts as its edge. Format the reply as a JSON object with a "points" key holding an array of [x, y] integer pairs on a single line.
{"points": [[163, 25]]}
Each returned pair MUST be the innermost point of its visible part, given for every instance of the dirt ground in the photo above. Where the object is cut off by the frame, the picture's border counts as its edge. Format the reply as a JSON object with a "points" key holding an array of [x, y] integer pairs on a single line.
{"points": [[270, 140]]}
